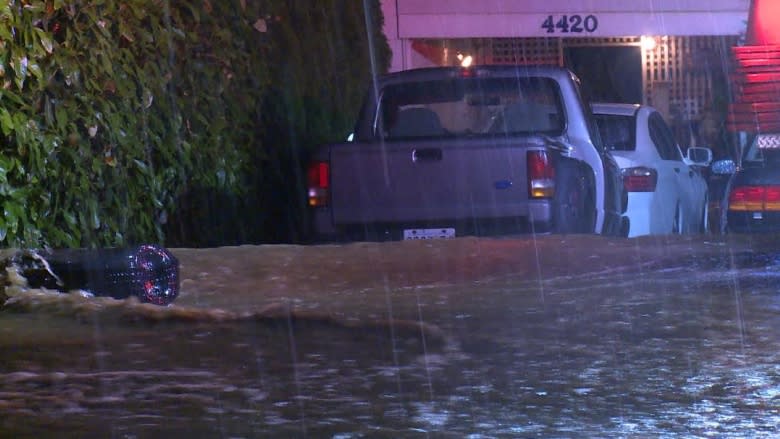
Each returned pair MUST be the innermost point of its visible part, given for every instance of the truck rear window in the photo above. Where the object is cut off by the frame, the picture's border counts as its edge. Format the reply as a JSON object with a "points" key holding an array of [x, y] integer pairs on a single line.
{"points": [[471, 106]]}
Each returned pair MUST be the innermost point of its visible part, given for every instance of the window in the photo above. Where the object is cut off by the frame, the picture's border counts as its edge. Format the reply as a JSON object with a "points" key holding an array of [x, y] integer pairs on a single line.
{"points": [[663, 139], [617, 132], [470, 107]]}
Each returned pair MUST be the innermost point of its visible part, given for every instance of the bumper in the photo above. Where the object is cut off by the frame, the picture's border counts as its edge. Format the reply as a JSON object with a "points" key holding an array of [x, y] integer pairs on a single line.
{"points": [[752, 222], [538, 220], [639, 211]]}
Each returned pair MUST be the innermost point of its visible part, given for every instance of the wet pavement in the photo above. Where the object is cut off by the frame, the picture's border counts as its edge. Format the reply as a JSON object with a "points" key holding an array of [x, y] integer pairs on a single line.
{"points": [[545, 336]]}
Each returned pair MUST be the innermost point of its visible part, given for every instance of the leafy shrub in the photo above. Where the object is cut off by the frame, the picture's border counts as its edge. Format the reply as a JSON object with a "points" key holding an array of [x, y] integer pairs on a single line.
{"points": [[120, 117]]}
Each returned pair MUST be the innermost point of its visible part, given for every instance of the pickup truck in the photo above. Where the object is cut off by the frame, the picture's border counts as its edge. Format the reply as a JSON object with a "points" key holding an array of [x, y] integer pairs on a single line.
{"points": [[449, 151]]}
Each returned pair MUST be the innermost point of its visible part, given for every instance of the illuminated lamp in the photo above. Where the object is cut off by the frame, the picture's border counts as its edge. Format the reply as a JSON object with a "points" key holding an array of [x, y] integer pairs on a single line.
{"points": [[757, 79], [648, 43], [763, 23]]}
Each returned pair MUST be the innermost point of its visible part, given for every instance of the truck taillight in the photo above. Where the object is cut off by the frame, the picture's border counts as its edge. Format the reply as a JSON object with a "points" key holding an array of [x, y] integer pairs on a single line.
{"points": [[640, 179], [318, 178], [541, 175], [755, 198]]}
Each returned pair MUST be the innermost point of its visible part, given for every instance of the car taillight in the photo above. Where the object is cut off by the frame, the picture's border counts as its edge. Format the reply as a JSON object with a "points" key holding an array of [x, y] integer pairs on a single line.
{"points": [[772, 200], [318, 177], [640, 179], [541, 175], [755, 198]]}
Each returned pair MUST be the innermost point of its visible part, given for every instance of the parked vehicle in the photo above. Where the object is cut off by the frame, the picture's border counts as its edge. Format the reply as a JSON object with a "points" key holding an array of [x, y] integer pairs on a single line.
{"points": [[449, 151], [148, 272], [666, 190], [752, 203]]}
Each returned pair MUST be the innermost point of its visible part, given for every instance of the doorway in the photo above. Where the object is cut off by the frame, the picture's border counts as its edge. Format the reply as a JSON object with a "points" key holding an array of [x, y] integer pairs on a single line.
{"points": [[608, 73]]}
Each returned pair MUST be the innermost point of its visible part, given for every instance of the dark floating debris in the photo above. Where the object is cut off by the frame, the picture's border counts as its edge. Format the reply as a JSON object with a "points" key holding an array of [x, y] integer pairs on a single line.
{"points": [[148, 272]]}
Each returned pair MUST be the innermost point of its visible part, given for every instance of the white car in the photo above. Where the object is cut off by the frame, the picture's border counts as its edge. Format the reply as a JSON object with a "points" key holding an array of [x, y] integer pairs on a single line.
{"points": [[667, 193]]}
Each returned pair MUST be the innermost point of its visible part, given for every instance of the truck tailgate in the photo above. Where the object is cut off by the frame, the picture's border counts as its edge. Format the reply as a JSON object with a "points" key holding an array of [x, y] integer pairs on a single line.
{"points": [[450, 179]]}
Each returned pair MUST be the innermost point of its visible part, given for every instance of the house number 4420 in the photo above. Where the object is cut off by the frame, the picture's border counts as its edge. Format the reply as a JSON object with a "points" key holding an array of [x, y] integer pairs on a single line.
{"points": [[570, 23]]}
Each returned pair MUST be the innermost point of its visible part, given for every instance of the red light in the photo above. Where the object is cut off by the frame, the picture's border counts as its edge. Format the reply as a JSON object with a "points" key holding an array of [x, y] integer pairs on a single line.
{"points": [[772, 193], [755, 198], [763, 23], [318, 178], [772, 198], [541, 175], [746, 198], [640, 179], [539, 165], [757, 76], [318, 175]]}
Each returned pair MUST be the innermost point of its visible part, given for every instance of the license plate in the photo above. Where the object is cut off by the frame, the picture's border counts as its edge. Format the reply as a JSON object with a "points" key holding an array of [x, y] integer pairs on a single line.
{"points": [[444, 233]]}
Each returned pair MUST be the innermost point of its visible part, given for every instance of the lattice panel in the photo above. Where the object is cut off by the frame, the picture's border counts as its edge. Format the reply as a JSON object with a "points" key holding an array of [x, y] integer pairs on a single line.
{"points": [[547, 51], [677, 75], [600, 42], [684, 68]]}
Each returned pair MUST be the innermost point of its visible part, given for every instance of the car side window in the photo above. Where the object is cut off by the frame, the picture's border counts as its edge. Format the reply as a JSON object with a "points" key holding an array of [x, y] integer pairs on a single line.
{"points": [[667, 133], [662, 138], [655, 136]]}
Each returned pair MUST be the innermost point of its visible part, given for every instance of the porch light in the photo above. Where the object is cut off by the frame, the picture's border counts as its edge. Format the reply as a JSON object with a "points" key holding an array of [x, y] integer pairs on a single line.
{"points": [[648, 43], [465, 60]]}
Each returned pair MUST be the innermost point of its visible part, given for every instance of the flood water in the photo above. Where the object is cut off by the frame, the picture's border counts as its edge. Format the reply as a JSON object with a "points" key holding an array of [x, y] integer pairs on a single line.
{"points": [[545, 336]]}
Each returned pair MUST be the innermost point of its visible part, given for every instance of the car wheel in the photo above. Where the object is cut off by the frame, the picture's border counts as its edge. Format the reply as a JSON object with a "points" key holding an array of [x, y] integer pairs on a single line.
{"points": [[573, 210], [677, 221], [705, 217]]}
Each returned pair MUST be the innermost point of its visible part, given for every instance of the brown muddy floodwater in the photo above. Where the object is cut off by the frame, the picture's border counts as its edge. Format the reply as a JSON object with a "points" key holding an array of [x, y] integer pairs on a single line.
{"points": [[550, 336]]}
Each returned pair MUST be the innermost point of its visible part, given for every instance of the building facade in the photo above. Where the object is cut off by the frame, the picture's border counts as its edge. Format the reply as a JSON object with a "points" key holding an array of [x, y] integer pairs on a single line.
{"points": [[672, 54]]}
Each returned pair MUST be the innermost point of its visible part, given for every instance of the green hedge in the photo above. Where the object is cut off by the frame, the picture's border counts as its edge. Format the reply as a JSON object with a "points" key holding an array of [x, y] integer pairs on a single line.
{"points": [[127, 120]]}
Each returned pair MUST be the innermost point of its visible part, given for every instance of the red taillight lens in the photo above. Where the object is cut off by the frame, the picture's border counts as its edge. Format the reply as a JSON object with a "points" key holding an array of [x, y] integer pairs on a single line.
{"points": [[755, 198], [772, 200], [318, 178], [541, 175], [640, 179]]}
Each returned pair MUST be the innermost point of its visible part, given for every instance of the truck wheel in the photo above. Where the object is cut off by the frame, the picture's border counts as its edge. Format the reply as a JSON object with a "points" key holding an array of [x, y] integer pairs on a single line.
{"points": [[573, 203]]}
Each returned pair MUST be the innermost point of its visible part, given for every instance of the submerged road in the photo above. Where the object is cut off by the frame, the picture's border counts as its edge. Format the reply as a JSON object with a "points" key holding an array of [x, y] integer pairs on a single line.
{"points": [[525, 337]]}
